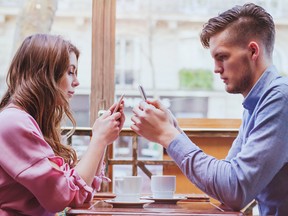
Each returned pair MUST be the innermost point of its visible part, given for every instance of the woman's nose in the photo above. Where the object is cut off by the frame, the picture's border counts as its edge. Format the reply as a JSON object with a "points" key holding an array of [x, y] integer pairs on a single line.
{"points": [[75, 82]]}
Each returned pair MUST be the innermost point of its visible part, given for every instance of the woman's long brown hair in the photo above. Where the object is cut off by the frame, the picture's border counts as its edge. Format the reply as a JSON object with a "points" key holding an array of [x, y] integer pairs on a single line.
{"points": [[32, 79]]}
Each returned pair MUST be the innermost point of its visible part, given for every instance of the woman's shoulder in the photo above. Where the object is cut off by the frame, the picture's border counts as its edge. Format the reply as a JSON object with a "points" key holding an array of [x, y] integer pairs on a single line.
{"points": [[13, 110], [14, 118]]}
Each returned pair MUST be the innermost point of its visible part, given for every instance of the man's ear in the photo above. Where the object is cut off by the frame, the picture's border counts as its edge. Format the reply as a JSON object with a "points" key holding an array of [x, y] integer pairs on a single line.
{"points": [[254, 49]]}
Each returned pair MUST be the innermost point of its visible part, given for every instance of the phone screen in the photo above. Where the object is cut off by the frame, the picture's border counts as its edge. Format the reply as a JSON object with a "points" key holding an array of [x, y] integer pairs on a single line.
{"points": [[118, 103], [142, 92]]}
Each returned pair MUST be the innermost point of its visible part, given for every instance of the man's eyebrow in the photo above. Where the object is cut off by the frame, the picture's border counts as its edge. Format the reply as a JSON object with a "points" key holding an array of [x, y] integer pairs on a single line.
{"points": [[220, 53], [215, 55]]}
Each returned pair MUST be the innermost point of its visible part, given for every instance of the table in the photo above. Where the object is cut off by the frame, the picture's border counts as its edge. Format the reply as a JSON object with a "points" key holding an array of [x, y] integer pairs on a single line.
{"points": [[98, 206]]}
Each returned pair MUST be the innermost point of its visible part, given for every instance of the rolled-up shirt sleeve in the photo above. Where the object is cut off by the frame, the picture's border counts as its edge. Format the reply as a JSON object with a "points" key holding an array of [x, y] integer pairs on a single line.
{"points": [[257, 157]]}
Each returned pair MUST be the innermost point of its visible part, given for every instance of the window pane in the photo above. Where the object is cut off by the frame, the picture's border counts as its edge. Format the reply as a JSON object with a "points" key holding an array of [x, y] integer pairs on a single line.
{"points": [[158, 46], [71, 20]]}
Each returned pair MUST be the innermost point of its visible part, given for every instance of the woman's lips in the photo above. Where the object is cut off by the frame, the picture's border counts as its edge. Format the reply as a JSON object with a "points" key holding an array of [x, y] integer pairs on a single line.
{"points": [[71, 93]]}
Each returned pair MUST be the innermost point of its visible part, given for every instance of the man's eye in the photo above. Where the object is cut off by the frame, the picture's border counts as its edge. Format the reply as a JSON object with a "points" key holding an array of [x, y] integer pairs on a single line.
{"points": [[220, 58]]}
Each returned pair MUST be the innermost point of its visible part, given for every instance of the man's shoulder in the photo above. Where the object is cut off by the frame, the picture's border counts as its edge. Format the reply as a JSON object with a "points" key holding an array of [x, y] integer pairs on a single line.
{"points": [[281, 80], [280, 83]]}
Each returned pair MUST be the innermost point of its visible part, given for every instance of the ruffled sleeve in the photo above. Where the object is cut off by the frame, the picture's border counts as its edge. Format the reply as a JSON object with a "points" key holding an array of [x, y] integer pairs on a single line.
{"points": [[97, 181], [32, 170], [64, 184]]}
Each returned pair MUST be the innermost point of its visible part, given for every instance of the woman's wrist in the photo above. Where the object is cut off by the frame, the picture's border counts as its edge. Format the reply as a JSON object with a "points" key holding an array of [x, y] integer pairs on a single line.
{"points": [[97, 143]]}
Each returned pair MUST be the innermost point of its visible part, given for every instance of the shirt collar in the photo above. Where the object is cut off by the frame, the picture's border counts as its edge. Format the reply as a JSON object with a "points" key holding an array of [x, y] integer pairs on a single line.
{"points": [[259, 88]]}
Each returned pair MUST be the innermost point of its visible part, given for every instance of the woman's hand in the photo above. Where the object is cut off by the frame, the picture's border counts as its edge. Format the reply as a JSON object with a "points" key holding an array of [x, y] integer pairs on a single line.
{"points": [[107, 127], [154, 122], [105, 131], [121, 111]]}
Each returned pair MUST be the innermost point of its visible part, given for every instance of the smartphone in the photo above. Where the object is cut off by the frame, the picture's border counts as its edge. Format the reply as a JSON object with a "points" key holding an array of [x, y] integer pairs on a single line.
{"points": [[118, 104], [142, 92]]}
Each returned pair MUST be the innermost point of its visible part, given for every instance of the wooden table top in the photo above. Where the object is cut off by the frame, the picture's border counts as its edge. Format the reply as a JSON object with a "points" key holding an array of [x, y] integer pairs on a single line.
{"points": [[101, 205]]}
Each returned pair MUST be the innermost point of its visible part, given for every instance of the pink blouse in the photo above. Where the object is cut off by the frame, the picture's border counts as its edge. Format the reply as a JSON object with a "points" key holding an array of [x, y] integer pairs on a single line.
{"points": [[29, 185]]}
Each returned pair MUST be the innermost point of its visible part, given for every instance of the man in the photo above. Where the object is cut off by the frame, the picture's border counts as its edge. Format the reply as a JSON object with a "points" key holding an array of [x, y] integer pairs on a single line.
{"points": [[241, 42]]}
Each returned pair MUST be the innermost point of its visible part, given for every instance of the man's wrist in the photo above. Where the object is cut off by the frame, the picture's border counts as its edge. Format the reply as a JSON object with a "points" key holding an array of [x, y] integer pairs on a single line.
{"points": [[169, 137]]}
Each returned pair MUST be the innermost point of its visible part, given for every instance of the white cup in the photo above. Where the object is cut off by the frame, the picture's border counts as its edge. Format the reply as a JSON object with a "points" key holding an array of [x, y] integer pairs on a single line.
{"points": [[128, 188], [163, 186]]}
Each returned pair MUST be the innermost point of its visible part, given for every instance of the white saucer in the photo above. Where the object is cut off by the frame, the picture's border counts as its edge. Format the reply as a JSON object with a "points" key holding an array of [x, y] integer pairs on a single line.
{"points": [[128, 204], [174, 200]]}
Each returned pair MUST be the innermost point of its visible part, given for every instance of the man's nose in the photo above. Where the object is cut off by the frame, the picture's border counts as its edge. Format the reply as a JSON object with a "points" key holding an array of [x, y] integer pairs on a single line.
{"points": [[218, 69]]}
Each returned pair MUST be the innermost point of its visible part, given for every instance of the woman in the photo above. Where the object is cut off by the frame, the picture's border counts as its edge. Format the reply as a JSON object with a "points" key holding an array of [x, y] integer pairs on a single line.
{"points": [[39, 175]]}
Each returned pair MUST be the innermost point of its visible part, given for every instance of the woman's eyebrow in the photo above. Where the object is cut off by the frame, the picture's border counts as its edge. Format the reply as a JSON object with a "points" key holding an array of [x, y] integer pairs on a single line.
{"points": [[72, 66]]}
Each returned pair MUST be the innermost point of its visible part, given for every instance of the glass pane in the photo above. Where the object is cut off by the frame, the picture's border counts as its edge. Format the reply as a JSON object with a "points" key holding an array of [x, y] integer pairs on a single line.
{"points": [[72, 20], [158, 46]]}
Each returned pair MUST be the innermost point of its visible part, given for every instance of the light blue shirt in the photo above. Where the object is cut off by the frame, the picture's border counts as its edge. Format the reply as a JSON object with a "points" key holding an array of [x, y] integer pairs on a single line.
{"points": [[256, 166]]}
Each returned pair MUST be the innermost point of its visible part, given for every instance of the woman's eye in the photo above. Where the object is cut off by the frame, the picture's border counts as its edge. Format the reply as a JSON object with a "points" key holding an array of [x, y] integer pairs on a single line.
{"points": [[72, 71]]}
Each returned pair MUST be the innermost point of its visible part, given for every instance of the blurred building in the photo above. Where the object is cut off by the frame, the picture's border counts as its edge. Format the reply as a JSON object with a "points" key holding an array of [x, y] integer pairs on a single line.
{"points": [[155, 40]]}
